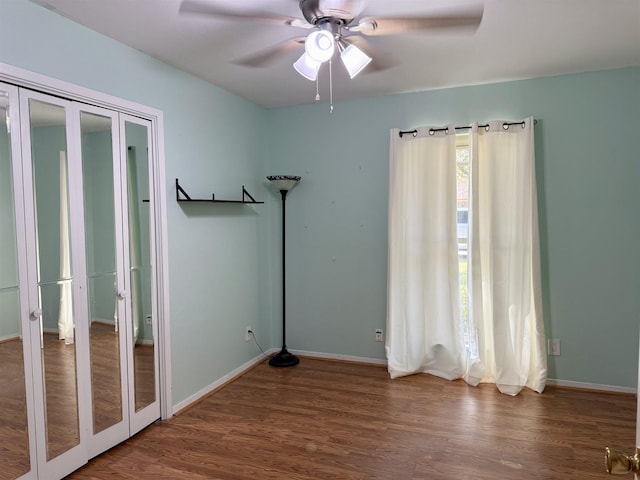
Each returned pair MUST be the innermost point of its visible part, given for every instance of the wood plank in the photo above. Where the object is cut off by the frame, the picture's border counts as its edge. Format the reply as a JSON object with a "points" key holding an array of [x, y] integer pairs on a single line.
{"points": [[335, 420]]}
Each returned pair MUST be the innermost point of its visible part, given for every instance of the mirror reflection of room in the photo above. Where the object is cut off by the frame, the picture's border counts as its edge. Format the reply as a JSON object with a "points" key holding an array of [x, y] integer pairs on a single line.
{"points": [[140, 263], [14, 440], [48, 132], [100, 236]]}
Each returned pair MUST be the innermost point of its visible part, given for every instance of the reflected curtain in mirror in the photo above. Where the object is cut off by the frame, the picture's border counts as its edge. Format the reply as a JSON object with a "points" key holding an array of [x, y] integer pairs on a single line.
{"points": [[65, 314]]}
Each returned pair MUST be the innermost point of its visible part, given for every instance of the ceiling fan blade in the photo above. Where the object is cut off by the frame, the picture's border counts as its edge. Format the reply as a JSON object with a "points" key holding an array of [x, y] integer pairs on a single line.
{"points": [[468, 19], [271, 54], [204, 7], [379, 64], [379, 61]]}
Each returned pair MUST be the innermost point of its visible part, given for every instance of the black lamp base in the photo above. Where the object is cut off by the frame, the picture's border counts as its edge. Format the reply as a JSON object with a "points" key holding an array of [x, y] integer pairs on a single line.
{"points": [[284, 359]]}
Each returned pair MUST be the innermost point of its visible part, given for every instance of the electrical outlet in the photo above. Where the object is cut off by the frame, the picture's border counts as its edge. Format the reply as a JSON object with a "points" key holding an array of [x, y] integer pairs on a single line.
{"points": [[149, 320], [553, 347], [248, 331], [378, 334]]}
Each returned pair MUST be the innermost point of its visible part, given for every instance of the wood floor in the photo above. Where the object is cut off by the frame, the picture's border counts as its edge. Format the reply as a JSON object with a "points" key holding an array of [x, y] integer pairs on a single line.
{"points": [[330, 420]]}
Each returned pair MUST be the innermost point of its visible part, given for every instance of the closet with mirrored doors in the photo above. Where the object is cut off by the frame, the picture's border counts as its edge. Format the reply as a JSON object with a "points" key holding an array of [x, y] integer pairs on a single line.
{"points": [[78, 302]]}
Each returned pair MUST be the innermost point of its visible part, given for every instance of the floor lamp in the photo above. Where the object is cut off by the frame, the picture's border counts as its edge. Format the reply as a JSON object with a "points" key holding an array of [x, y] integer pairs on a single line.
{"points": [[284, 183]]}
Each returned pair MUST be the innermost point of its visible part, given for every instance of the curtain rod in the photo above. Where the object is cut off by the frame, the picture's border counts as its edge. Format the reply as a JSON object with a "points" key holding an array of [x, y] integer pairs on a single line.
{"points": [[505, 125]]}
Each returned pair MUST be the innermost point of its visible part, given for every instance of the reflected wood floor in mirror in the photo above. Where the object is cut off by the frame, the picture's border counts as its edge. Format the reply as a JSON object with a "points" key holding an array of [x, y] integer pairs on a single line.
{"points": [[105, 376], [143, 358], [14, 441], [331, 420], [61, 399], [105, 372], [59, 360]]}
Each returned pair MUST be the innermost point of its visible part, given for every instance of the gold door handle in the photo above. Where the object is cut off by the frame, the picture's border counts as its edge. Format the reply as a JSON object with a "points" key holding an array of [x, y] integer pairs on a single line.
{"points": [[618, 462]]}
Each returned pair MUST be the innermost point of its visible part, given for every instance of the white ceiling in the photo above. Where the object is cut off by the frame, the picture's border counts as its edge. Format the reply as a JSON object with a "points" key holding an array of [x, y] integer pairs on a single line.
{"points": [[517, 39]]}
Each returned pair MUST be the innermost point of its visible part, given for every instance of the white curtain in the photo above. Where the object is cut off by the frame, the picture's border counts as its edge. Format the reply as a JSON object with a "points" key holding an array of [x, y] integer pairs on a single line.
{"points": [[424, 329], [506, 333], [65, 314], [506, 305]]}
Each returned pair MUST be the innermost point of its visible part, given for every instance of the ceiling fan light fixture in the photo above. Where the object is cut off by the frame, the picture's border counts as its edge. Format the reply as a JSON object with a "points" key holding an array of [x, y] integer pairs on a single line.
{"points": [[354, 60], [320, 45], [307, 67]]}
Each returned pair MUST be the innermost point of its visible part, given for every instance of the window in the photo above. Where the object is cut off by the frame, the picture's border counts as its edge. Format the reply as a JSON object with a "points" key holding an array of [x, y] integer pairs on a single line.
{"points": [[463, 155]]}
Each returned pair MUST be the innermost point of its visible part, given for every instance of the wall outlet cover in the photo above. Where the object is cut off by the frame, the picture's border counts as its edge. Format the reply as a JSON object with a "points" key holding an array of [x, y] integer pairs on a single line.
{"points": [[553, 347]]}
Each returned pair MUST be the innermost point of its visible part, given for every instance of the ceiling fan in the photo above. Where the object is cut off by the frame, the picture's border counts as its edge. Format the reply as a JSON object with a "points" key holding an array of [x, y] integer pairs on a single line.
{"points": [[336, 26]]}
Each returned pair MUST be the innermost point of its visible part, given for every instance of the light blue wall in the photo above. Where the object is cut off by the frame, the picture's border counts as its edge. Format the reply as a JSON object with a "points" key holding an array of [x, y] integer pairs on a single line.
{"points": [[214, 142], [99, 217], [224, 260], [8, 263], [588, 165], [9, 307], [46, 144]]}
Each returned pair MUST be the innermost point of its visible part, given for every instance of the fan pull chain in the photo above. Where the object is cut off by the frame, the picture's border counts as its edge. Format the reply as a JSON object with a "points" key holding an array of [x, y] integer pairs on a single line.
{"points": [[317, 88], [330, 88]]}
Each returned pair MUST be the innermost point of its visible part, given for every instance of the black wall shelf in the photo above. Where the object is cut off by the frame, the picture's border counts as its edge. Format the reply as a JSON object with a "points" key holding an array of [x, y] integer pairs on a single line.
{"points": [[182, 196]]}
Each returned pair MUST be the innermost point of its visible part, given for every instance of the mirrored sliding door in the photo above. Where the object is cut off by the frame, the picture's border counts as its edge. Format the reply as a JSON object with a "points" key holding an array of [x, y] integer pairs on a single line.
{"points": [[56, 289], [141, 235], [16, 435], [79, 363], [105, 256]]}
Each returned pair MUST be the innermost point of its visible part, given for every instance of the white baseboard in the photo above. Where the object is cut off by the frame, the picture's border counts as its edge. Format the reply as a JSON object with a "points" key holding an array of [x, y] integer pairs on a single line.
{"points": [[590, 386], [351, 358], [7, 338], [221, 381], [104, 321], [343, 358], [550, 381]]}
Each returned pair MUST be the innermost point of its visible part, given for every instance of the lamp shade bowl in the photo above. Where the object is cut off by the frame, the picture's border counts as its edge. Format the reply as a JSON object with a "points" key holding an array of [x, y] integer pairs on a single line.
{"points": [[320, 45], [354, 60], [283, 182], [307, 67]]}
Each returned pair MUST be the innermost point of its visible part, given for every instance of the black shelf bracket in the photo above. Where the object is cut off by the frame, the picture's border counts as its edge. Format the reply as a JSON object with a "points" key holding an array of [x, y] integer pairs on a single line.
{"points": [[182, 196]]}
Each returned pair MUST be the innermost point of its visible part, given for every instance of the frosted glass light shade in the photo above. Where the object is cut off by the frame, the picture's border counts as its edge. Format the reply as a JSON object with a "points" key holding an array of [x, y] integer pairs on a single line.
{"points": [[354, 60], [320, 45], [283, 182], [307, 67]]}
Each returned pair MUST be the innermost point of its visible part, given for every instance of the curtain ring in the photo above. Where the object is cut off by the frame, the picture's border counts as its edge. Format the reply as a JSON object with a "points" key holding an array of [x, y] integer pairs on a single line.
{"points": [[415, 133], [505, 126], [487, 128], [432, 132]]}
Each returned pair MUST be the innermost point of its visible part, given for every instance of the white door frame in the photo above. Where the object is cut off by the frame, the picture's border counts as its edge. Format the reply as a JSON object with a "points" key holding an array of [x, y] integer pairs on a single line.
{"points": [[42, 83]]}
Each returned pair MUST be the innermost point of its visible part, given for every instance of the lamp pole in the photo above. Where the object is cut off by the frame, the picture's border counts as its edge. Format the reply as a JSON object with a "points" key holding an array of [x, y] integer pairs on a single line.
{"points": [[284, 358]]}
